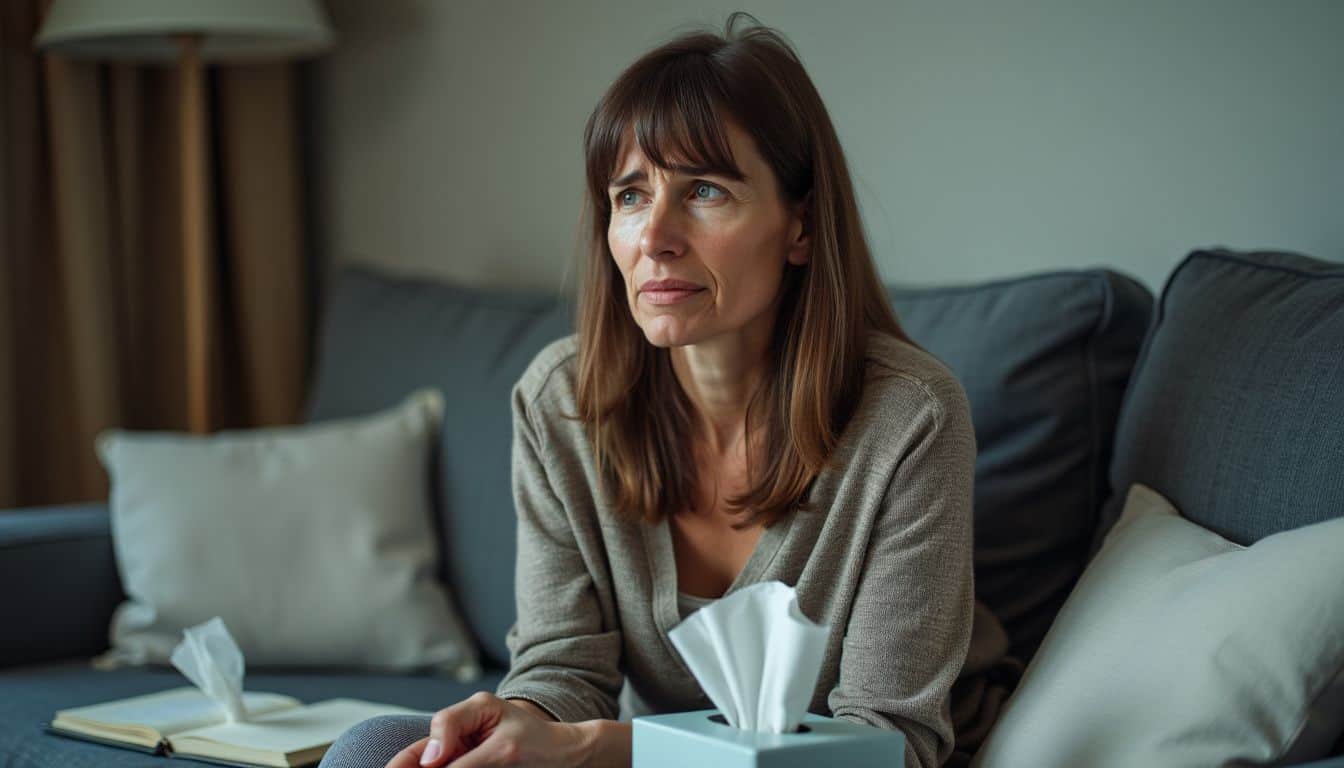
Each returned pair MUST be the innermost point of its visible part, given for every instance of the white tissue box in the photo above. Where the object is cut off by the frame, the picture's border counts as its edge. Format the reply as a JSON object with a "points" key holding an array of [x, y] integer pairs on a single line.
{"points": [[693, 739]]}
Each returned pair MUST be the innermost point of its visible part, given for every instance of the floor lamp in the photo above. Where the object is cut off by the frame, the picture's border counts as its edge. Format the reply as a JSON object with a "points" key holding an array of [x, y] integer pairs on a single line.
{"points": [[190, 33]]}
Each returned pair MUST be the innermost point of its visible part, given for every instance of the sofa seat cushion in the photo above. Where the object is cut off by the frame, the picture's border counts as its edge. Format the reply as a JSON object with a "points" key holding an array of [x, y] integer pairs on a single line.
{"points": [[1237, 401], [1044, 360], [31, 695]]}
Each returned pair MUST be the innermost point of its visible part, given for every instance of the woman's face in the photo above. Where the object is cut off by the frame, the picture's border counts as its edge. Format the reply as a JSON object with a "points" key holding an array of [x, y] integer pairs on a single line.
{"points": [[701, 254]]}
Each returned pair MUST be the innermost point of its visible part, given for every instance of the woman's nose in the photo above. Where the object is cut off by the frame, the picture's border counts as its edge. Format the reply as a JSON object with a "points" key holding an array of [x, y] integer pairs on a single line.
{"points": [[663, 236]]}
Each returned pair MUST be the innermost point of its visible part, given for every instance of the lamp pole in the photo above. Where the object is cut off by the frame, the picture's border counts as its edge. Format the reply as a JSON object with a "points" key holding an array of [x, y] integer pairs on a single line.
{"points": [[196, 269]]}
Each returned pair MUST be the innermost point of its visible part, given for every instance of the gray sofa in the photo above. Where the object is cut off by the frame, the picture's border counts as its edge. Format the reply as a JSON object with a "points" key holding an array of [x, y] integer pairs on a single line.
{"points": [[1079, 384]]}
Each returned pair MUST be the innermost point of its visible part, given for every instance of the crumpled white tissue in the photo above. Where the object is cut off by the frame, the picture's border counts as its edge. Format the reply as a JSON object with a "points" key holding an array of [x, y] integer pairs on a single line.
{"points": [[210, 659], [755, 655]]}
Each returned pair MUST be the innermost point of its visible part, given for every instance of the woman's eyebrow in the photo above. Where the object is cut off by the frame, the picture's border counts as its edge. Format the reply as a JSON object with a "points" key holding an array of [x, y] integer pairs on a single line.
{"points": [[685, 170], [628, 178]]}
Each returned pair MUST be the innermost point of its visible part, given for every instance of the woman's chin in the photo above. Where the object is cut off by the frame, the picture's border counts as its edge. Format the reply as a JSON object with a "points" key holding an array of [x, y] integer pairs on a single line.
{"points": [[667, 331]]}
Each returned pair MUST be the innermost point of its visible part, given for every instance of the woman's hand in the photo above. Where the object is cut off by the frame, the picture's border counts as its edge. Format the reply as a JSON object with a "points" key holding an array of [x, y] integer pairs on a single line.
{"points": [[485, 730]]}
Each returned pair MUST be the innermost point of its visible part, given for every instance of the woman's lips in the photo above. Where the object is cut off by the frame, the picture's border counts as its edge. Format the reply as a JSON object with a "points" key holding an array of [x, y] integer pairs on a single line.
{"points": [[664, 292], [667, 296]]}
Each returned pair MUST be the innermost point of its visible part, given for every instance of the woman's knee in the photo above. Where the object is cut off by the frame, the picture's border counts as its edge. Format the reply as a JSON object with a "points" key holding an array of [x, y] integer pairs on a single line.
{"points": [[372, 742]]}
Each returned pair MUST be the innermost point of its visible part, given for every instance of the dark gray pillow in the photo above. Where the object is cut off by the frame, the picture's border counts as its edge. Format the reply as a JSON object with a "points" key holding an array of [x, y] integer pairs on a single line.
{"points": [[1044, 360], [384, 336], [1236, 411]]}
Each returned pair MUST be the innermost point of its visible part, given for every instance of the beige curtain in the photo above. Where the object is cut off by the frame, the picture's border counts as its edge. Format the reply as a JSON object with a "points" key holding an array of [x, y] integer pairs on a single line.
{"points": [[91, 311]]}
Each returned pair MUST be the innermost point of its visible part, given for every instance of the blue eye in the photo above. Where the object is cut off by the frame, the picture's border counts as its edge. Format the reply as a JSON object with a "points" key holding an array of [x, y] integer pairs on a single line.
{"points": [[706, 191], [626, 198]]}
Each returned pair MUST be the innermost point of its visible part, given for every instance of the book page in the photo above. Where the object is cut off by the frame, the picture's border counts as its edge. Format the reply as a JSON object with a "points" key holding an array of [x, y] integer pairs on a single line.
{"points": [[286, 732], [172, 710]]}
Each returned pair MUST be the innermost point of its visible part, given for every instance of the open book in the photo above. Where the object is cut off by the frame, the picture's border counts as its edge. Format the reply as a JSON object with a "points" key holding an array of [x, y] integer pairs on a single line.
{"points": [[280, 730]]}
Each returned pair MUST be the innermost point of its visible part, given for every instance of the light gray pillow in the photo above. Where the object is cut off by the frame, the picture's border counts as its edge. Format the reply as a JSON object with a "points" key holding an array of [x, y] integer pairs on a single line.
{"points": [[313, 543], [1180, 648]]}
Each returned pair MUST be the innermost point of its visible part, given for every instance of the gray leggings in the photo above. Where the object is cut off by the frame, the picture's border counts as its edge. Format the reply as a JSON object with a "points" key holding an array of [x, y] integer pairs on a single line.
{"points": [[371, 743]]}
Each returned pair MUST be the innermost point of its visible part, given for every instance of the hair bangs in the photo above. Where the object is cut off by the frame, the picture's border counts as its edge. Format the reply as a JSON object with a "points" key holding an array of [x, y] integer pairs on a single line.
{"points": [[675, 110]]}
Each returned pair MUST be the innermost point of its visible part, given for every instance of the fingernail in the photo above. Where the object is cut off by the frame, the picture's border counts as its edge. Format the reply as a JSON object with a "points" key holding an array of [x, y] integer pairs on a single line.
{"points": [[432, 751]]}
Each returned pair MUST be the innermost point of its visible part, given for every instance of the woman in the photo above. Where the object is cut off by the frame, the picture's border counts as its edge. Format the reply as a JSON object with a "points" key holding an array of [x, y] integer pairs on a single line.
{"points": [[739, 405]]}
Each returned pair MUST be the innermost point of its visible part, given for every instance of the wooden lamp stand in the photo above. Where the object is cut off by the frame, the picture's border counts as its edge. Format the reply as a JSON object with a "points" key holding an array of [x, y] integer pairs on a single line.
{"points": [[196, 268]]}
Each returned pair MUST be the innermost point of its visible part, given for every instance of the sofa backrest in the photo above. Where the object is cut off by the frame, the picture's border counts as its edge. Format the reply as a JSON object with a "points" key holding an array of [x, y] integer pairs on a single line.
{"points": [[1044, 360], [383, 336], [1236, 410]]}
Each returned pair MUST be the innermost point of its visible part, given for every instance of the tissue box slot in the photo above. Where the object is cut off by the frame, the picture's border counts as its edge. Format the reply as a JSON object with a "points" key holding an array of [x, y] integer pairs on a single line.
{"points": [[724, 721]]}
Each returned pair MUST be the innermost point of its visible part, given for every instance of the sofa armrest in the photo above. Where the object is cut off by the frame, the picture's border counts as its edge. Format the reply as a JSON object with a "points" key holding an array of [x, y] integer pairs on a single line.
{"points": [[60, 582]]}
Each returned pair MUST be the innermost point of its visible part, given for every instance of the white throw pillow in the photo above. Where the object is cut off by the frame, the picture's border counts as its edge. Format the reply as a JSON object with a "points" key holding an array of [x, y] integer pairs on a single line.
{"points": [[313, 543], [1180, 648]]}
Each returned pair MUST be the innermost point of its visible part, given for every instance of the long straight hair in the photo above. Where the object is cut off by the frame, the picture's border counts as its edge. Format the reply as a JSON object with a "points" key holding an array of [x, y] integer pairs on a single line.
{"points": [[675, 101]]}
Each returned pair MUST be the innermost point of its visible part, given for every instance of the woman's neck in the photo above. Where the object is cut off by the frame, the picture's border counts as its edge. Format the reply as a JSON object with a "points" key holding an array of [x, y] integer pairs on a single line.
{"points": [[719, 377]]}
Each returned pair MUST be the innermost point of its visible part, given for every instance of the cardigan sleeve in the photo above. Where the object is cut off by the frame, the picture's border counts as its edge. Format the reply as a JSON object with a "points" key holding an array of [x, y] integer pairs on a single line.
{"points": [[563, 657], [910, 625]]}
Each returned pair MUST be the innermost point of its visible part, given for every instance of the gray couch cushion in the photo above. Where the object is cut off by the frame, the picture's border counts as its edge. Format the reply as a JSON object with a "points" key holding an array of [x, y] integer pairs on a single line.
{"points": [[1044, 360], [29, 696], [384, 336], [1236, 411]]}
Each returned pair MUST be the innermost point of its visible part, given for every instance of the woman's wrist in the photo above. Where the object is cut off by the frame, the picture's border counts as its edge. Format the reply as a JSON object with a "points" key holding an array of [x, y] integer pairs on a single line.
{"points": [[600, 743], [604, 743], [532, 709]]}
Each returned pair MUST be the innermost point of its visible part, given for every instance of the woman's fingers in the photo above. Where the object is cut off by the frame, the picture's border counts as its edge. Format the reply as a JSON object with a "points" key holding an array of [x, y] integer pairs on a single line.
{"points": [[461, 734], [492, 753], [455, 730], [485, 731], [410, 756]]}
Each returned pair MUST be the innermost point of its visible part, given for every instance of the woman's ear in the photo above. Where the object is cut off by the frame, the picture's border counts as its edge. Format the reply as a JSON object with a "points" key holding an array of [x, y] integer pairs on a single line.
{"points": [[800, 232]]}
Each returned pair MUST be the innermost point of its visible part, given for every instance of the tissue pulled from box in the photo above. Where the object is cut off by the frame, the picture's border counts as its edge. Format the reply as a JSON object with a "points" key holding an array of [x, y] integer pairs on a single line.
{"points": [[756, 656], [213, 662]]}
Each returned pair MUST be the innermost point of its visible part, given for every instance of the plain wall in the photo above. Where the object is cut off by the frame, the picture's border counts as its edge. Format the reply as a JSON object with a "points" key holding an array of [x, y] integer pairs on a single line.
{"points": [[986, 139]]}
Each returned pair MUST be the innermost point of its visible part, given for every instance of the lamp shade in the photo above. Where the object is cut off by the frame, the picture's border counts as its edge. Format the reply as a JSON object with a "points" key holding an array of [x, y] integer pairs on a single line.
{"points": [[148, 30]]}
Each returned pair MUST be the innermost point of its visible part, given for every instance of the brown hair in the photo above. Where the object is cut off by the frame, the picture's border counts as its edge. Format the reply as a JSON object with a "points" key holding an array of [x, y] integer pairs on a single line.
{"points": [[675, 101]]}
